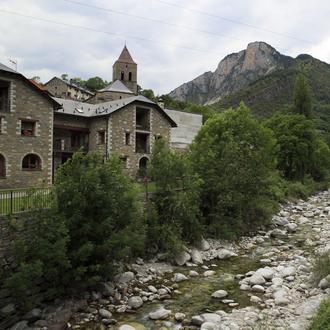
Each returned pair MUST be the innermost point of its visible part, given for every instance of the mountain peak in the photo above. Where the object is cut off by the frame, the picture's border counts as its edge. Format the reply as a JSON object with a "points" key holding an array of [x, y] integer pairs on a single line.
{"points": [[233, 72]]}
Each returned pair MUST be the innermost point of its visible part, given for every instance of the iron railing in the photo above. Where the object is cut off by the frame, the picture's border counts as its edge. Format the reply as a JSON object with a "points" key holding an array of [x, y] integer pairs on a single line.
{"points": [[21, 200]]}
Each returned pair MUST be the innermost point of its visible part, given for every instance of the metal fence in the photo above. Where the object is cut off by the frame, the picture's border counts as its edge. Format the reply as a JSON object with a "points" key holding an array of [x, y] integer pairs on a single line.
{"points": [[22, 200]]}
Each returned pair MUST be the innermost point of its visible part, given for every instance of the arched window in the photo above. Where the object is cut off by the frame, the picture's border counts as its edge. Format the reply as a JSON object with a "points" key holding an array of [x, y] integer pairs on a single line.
{"points": [[130, 76], [122, 75], [31, 162], [2, 166]]}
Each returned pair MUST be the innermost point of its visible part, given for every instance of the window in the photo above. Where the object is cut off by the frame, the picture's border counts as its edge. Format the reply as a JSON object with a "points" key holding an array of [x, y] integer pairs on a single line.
{"points": [[28, 127], [1, 123], [2, 166], [127, 139], [101, 135], [31, 162], [122, 75], [4, 96], [130, 76]]}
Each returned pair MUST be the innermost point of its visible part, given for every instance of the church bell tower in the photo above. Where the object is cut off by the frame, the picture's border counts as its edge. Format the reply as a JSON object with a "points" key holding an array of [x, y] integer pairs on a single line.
{"points": [[125, 70]]}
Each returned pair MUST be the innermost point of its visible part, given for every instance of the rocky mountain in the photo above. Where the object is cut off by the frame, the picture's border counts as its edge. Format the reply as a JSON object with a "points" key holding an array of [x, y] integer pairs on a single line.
{"points": [[233, 73]]}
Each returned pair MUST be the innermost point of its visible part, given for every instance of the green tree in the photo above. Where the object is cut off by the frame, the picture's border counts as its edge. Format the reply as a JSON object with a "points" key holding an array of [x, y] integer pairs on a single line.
{"points": [[98, 202], [175, 215], [234, 155], [300, 151], [65, 76], [302, 100], [95, 83], [149, 93]]}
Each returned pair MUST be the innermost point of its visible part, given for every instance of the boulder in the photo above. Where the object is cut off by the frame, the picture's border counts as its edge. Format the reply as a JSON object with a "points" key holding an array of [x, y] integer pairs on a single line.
{"points": [[256, 279], [225, 254], [135, 302], [209, 273], [22, 325], [182, 258], [160, 314], [277, 233], [193, 273], [291, 227], [204, 245], [125, 277], [281, 297], [105, 314], [179, 317], [220, 294], [266, 273], [289, 271], [324, 283], [7, 310], [178, 277], [33, 315], [152, 289], [209, 326], [126, 327], [258, 288], [196, 257]]}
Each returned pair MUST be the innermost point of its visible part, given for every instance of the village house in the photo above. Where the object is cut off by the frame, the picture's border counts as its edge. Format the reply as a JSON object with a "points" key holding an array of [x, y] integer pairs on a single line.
{"points": [[67, 89], [39, 132]]}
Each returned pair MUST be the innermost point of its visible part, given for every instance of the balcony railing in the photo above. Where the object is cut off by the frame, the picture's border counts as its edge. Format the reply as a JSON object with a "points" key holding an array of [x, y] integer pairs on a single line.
{"points": [[60, 146]]}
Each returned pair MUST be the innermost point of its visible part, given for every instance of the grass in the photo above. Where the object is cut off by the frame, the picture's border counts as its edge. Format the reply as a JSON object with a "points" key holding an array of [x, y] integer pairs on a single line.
{"points": [[321, 320]]}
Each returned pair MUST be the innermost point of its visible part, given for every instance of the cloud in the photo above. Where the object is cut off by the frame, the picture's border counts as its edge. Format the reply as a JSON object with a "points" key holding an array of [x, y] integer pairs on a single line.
{"points": [[176, 55]]}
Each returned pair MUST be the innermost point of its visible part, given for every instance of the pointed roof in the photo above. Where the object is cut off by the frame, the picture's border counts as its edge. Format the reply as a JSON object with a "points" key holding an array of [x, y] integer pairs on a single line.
{"points": [[116, 86], [125, 56]]}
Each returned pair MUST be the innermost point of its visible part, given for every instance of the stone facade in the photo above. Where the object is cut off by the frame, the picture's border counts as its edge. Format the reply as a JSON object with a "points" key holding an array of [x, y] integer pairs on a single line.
{"points": [[26, 129], [61, 88]]}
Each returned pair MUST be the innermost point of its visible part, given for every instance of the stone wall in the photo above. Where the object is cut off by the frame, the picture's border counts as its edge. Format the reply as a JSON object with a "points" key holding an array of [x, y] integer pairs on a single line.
{"points": [[26, 103]]}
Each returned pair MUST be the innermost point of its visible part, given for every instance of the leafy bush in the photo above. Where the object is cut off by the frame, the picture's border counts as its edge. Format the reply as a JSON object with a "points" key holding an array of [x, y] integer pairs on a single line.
{"points": [[321, 267], [234, 156], [40, 252], [321, 320], [98, 202], [175, 215]]}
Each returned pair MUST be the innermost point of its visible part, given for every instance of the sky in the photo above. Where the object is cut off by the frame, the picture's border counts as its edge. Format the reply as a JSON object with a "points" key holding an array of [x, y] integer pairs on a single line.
{"points": [[173, 41]]}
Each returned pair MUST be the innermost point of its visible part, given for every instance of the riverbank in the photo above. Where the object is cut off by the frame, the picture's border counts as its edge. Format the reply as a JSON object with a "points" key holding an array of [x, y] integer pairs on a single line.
{"points": [[264, 281]]}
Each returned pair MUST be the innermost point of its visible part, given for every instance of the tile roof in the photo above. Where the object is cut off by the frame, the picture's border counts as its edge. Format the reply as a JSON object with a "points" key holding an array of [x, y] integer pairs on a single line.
{"points": [[87, 110], [125, 56], [116, 86]]}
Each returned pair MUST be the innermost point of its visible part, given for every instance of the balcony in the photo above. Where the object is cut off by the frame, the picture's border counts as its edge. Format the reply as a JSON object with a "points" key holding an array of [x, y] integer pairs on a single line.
{"points": [[62, 145], [142, 119]]}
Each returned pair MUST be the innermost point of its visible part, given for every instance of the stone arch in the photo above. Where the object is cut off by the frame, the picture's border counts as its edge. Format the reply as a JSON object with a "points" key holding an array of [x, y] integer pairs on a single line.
{"points": [[122, 75], [2, 166], [32, 162], [143, 165]]}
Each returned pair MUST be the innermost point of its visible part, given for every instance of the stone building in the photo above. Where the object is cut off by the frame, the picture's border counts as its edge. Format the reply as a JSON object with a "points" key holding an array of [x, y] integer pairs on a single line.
{"points": [[66, 89], [26, 132], [38, 132]]}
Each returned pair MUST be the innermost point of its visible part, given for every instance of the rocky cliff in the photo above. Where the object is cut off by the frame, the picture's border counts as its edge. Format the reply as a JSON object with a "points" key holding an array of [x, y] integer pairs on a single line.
{"points": [[233, 72]]}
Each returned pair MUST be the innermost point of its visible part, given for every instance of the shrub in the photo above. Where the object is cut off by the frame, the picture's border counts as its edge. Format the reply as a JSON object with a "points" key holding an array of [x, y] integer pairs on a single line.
{"points": [[321, 320], [40, 253], [234, 155], [321, 267], [98, 202], [175, 215]]}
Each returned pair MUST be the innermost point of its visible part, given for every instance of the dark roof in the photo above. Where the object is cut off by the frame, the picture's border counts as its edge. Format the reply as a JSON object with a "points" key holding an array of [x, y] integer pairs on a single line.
{"points": [[30, 83], [83, 109], [125, 56]]}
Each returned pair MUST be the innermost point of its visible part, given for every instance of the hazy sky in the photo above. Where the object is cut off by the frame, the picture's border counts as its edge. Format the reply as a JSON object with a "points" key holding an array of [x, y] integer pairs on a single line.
{"points": [[172, 41]]}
